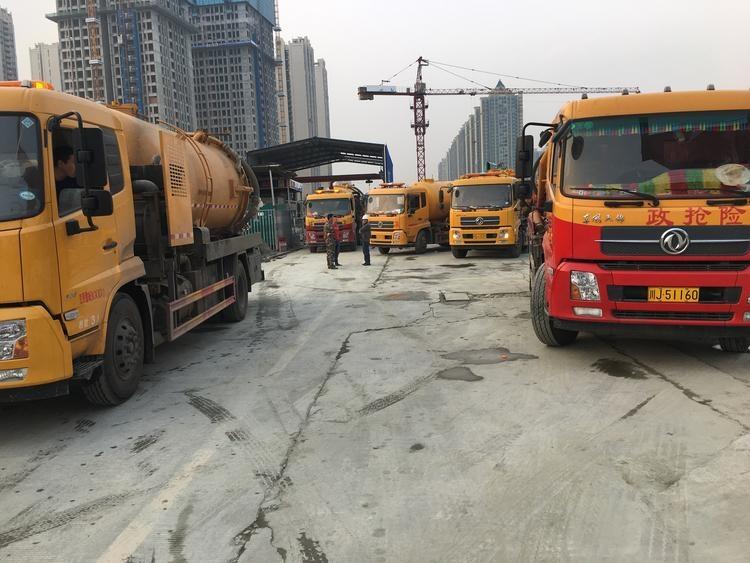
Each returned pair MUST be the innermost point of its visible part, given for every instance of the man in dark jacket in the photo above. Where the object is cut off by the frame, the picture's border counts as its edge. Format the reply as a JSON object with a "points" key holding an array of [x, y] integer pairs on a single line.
{"points": [[364, 236], [330, 240]]}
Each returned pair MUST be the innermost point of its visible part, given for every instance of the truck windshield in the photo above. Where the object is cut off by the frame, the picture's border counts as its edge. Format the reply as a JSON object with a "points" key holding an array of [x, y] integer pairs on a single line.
{"points": [[700, 154], [322, 207], [21, 180], [388, 204], [476, 197]]}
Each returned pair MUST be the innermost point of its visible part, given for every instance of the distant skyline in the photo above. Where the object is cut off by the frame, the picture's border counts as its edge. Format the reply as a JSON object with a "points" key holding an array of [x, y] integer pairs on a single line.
{"points": [[645, 43]]}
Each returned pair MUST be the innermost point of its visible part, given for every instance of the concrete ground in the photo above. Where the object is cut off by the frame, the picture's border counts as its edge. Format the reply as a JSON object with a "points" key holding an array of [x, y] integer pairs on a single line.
{"points": [[402, 412]]}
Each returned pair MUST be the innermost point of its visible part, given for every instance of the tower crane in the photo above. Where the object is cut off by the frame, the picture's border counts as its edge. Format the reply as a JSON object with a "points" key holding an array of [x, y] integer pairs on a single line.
{"points": [[420, 92]]}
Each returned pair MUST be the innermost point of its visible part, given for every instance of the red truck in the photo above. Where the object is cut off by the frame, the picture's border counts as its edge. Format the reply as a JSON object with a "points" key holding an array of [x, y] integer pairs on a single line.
{"points": [[641, 224]]}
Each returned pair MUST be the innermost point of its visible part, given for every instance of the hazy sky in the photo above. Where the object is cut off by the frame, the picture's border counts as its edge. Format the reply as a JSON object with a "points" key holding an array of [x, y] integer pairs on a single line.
{"points": [[647, 43]]}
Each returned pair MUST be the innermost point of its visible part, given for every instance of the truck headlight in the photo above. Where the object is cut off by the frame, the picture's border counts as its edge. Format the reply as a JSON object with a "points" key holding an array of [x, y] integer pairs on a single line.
{"points": [[584, 286], [13, 342], [503, 234], [396, 236], [456, 235]]}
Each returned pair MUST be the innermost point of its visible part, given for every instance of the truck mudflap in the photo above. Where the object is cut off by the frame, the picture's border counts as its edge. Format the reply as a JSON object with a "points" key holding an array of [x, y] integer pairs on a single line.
{"points": [[255, 267]]}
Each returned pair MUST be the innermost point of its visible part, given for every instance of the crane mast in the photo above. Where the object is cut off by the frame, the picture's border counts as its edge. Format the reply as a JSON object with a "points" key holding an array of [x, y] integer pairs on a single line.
{"points": [[419, 101]]}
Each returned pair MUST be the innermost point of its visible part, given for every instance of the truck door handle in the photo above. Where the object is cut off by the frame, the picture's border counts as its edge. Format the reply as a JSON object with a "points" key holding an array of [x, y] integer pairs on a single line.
{"points": [[109, 245]]}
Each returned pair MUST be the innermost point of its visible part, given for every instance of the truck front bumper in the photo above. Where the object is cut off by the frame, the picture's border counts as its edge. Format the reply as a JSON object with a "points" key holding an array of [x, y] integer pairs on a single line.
{"points": [[477, 239], [44, 373], [623, 306], [394, 239]]}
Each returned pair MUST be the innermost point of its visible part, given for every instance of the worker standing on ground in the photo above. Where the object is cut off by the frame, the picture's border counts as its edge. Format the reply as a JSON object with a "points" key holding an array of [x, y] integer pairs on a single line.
{"points": [[337, 237], [330, 239], [364, 235]]}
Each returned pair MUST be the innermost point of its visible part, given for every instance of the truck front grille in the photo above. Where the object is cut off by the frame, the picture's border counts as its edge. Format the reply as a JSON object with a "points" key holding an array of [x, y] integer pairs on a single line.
{"points": [[676, 266]]}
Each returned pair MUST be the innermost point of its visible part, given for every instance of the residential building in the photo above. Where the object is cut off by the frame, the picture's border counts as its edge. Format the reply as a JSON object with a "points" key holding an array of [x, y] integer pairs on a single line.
{"points": [[488, 136], [282, 90], [130, 51], [234, 69], [502, 120], [8, 61], [45, 64], [323, 109], [303, 108], [307, 96]]}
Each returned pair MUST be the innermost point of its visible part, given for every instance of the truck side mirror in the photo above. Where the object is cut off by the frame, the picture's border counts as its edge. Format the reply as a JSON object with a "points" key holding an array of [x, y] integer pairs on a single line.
{"points": [[524, 156], [91, 164], [522, 191], [544, 137], [97, 203]]}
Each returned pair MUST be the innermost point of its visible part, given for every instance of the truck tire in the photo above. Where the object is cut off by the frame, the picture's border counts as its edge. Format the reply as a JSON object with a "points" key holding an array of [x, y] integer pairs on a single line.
{"points": [[459, 252], [236, 311], [540, 320], [420, 246], [383, 249], [123, 356], [736, 345], [517, 249]]}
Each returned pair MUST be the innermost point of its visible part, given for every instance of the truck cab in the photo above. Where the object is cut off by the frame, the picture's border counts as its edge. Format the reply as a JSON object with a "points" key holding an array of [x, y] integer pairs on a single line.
{"points": [[642, 210], [341, 200], [61, 267], [487, 214], [412, 216]]}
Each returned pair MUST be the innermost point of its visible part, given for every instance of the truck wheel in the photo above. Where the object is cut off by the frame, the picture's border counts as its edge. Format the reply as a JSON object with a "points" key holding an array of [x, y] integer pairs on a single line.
{"points": [[516, 249], [420, 246], [459, 252], [123, 356], [383, 249], [236, 311], [540, 320], [737, 345]]}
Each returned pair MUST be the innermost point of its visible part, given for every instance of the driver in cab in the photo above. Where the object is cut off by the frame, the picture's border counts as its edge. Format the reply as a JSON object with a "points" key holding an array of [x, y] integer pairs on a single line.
{"points": [[66, 185]]}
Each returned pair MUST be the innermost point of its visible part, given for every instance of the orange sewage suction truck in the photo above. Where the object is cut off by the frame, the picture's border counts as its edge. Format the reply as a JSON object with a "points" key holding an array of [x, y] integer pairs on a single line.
{"points": [[404, 216], [642, 219], [487, 213], [344, 202], [145, 243]]}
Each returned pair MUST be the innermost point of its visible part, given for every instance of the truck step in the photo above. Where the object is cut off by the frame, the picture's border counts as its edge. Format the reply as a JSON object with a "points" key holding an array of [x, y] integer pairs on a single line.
{"points": [[85, 366]]}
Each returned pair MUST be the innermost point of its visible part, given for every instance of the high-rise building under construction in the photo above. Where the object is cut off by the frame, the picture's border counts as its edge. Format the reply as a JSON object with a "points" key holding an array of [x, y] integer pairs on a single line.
{"points": [[488, 137]]}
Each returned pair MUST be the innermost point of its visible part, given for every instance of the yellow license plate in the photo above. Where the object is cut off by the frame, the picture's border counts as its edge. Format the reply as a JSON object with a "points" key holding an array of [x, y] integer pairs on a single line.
{"points": [[674, 294]]}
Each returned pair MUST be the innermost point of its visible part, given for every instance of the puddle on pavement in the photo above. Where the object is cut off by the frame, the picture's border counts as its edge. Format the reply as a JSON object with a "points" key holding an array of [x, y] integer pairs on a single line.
{"points": [[346, 279], [619, 368], [406, 296], [487, 356], [460, 373], [461, 265]]}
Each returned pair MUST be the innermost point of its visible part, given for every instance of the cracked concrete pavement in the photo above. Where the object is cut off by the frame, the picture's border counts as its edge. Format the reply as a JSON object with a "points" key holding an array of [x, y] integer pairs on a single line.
{"points": [[403, 412]]}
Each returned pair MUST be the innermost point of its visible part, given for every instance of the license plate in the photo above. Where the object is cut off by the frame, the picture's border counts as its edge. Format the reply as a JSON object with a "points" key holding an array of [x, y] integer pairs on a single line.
{"points": [[674, 294]]}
